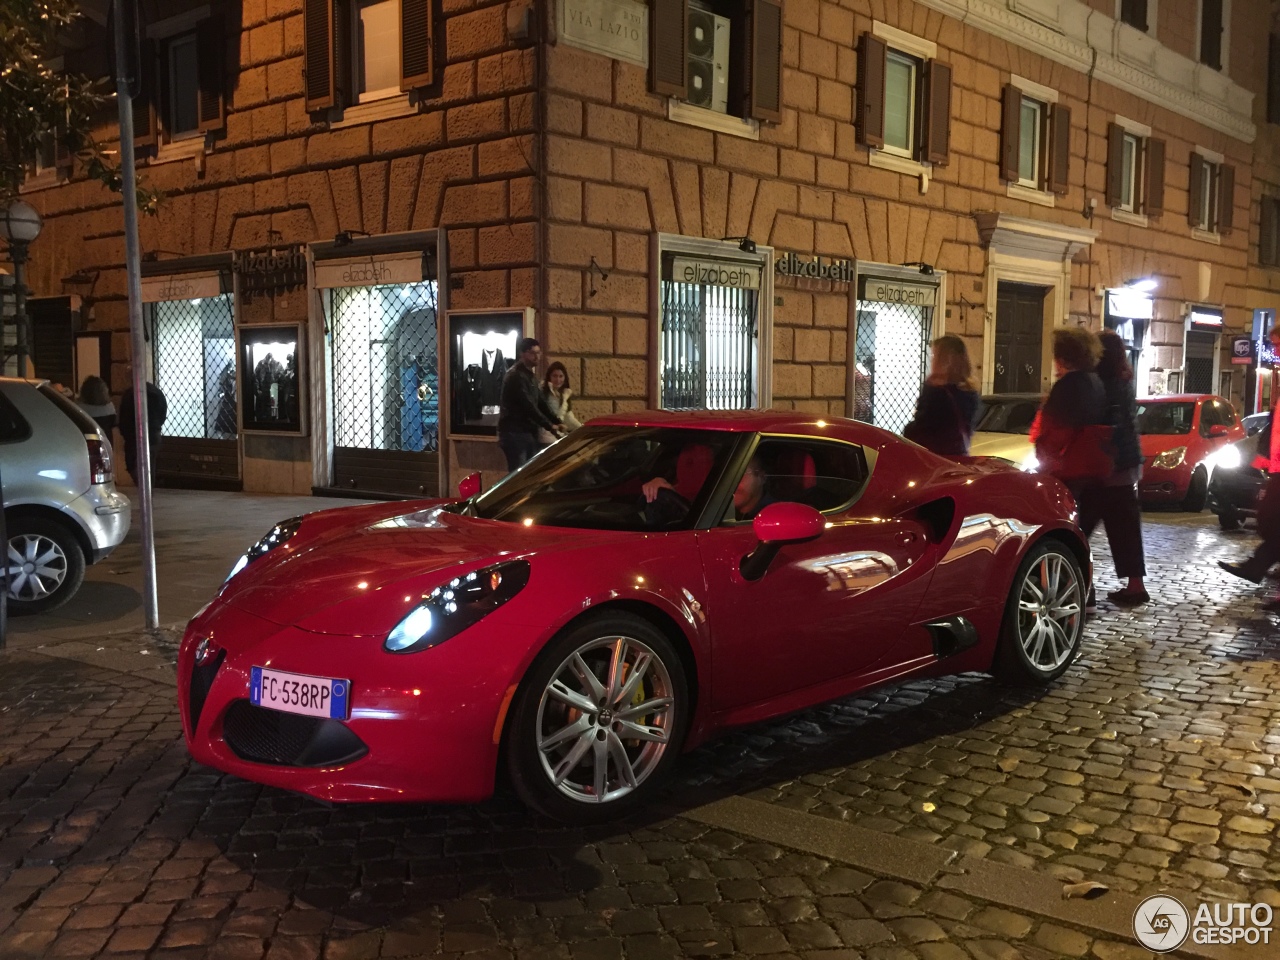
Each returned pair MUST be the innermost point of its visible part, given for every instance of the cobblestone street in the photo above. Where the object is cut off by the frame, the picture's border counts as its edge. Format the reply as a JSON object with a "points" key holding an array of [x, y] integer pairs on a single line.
{"points": [[935, 820]]}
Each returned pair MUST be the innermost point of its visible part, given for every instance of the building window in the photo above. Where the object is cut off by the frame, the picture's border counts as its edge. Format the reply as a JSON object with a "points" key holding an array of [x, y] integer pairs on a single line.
{"points": [[1135, 171], [181, 86], [181, 89], [355, 51], [1212, 22], [1211, 197], [721, 57], [1035, 149], [1269, 235], [1273, 78], [904, 96], [1134, 13]]}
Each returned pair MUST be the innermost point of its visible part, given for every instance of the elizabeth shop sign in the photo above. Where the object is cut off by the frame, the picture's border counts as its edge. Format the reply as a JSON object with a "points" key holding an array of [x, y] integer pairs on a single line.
{"points": [[615, 28], [819, 268], [181, 286]]}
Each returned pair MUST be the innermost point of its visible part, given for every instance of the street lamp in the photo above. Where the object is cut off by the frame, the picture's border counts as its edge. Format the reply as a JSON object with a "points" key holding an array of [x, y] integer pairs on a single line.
{"points": [[20, 224]]}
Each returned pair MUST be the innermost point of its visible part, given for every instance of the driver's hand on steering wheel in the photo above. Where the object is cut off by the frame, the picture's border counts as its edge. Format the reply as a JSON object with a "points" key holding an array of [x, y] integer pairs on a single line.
{"points": [[652, 488]]}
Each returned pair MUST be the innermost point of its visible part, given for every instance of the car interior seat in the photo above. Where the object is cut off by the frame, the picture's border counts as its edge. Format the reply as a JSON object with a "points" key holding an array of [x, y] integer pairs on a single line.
{"points": [[794, 476]]}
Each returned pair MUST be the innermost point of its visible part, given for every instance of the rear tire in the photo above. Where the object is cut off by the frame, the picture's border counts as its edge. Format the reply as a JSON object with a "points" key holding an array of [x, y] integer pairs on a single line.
{"points": [[46, 564], [1229, 520], [588, 742], [1044, 617], [1197, 492]]}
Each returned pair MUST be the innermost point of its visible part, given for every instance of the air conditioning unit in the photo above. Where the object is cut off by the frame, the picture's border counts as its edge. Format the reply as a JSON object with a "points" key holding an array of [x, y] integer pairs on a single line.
{"points": [[708, 46]]}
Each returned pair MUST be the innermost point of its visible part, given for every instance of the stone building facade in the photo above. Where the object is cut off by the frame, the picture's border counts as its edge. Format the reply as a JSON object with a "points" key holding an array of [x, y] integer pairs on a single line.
{"points": [[691, 203]]}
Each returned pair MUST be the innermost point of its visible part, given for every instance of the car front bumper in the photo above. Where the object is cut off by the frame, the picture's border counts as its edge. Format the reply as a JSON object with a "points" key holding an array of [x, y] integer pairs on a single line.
{"points": [[423, 727], [1164, 485], [1235, 491]]}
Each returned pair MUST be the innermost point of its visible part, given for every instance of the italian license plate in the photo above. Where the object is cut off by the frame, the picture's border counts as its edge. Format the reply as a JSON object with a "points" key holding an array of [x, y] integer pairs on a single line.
{"points": [[300, 693]]}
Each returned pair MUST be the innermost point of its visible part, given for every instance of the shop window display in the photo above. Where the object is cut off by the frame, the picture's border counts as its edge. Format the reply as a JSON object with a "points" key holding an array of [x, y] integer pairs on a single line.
{"points": [[482, 346], [269, 364]]}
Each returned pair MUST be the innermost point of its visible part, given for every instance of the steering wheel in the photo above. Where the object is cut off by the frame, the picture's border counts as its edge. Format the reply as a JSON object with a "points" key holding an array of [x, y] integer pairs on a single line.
{"points": [[666, 508]]}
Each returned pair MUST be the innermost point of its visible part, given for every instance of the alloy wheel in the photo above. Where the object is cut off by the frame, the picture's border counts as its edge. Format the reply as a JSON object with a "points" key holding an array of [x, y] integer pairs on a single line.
{"points": [[605, 719], [37, 566], [1050, 612]]}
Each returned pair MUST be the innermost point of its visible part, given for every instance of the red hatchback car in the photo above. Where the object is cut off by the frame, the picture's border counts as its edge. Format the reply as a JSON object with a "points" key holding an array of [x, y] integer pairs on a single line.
{"points": [[1178, 434], [566, 629]]}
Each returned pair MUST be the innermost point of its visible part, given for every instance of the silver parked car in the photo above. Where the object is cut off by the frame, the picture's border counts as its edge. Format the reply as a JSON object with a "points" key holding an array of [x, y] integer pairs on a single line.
{"points": [[61, 506]]}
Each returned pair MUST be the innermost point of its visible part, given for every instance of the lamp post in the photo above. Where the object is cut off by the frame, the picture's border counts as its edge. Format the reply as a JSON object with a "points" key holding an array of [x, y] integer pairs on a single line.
{"points": [[20, 224]]}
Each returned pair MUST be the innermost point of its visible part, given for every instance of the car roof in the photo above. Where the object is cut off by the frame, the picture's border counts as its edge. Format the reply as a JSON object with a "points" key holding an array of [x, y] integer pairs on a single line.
{"points": [[740, 421], [1180, 398], [997, 397]]}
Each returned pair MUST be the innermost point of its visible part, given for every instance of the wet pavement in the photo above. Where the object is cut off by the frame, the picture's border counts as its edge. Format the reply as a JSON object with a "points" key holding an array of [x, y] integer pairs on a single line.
{"points": [[932, 820]]}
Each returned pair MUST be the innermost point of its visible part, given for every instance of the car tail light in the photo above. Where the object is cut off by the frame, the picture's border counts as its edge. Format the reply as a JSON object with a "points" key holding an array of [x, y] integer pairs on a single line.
{"points": [[99, 460]]}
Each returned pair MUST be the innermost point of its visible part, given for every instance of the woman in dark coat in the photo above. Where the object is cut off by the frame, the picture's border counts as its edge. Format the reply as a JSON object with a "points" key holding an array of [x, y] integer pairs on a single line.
{"points": [[1118, 508], [95, 400], [948, 403]]}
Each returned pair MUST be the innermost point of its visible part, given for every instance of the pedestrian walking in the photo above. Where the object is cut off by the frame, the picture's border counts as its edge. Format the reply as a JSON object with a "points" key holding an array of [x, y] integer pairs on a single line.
{"points": [[1073, 437], [948, 401], [522, 409], [1118, 507], [558, 395], [95, 400], [157, 411], [1255, 567]]}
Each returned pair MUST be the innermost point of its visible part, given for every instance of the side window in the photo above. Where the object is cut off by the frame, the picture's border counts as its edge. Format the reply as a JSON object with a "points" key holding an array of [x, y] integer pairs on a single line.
{"points": [[1208, 417], [821, 473], [12, 425], [1226, 413]]}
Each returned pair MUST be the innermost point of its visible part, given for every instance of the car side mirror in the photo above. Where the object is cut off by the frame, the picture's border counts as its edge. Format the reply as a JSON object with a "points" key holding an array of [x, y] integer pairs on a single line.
{"points": [[1218, 430], [775, 526], [470, 485]]}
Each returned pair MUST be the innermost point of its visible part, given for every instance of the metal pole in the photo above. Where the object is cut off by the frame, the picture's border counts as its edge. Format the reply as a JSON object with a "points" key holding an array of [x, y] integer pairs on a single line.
{"points": [[4, 571], [18, 254], [133, 270]]}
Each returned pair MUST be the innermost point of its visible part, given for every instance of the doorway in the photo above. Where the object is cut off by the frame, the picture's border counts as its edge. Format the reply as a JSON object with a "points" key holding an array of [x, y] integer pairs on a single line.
{"points": [[1019, 338]]}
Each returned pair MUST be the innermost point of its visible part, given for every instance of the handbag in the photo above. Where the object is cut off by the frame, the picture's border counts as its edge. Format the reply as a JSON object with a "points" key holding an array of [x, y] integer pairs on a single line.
{"points": [[1089, 455]]}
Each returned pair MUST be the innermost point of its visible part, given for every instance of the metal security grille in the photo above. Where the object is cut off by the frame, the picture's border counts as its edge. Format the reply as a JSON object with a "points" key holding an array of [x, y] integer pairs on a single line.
{"points": [[890, 354], [1198, 364], [383, 367], [709, 338], [193, 351]]}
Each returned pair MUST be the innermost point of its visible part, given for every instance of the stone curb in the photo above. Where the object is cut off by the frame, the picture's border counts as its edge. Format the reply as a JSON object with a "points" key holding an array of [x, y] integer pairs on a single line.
{"points": [[920, 863]]}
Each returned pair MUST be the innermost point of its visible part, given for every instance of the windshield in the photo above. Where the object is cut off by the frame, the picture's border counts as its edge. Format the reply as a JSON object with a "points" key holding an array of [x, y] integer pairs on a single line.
{"points": [[593, 478], [1165, 419], [1007, 416]]}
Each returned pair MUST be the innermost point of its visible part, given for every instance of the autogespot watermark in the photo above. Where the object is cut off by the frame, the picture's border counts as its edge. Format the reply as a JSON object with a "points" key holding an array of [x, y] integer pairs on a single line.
{"points": [[1162, 923]]}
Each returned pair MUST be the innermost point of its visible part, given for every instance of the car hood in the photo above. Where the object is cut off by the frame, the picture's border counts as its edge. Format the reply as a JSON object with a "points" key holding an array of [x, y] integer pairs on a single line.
{"points": [[1011, 446], [361, 578], [1154, 443]]}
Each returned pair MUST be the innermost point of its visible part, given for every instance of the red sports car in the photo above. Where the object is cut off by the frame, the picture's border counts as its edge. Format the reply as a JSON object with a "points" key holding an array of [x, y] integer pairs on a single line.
{"points": [[567, 628], [1179, 434]]}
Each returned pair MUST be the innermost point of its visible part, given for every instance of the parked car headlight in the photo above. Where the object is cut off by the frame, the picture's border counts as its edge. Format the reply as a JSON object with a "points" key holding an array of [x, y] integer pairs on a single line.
{"points": [[1226, 458], [452, 607], [1029, 463], [1170, 458], [277, 536]]}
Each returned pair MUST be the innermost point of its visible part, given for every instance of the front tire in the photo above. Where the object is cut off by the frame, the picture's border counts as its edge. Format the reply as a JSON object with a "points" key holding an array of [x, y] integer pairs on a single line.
{"points": [[46, 565], [1044, 617], [599, 720], [1197, 491]]}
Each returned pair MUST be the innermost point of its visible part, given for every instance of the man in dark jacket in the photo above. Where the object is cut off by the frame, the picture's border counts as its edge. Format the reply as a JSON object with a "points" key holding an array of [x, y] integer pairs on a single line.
{"points": [[523, 409], [157, 410]]}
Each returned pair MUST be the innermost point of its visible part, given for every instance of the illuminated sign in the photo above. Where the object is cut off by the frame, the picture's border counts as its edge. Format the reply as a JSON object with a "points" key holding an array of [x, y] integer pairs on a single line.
{"points": [[894, 291], [1130, 304], [1241, 350], [1205, 318], [181, 286], [717, 273]]}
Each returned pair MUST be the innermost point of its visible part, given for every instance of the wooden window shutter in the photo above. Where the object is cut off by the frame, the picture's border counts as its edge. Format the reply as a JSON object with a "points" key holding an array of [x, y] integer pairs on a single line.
{"points": [[1115, 162], [1226, 198], [63, 159], [1010, 132], [317, 54], [1273, 78], [766, 60], [417, 44], [872, 53], [1267, 233], [145, 125], [1060, 150], [1153, 194], [1195, 196], [937, 148], [211, 66], [668, 67]]}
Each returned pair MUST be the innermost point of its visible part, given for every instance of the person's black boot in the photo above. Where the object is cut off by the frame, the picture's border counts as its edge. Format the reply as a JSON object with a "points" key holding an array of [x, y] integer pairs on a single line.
{"points": [[1242, 570]]}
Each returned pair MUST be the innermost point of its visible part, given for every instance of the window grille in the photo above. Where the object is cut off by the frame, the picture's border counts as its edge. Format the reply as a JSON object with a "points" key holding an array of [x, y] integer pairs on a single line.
{"points": [[194, 357], [384, 376], [709, 347], [891, 353]]}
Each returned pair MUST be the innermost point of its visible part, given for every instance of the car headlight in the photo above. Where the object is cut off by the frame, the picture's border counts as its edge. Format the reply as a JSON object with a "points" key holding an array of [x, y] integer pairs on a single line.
{"points": [[452, 607], [1226, 458], [1170, 458], [277, 536], [1029, 463]]}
